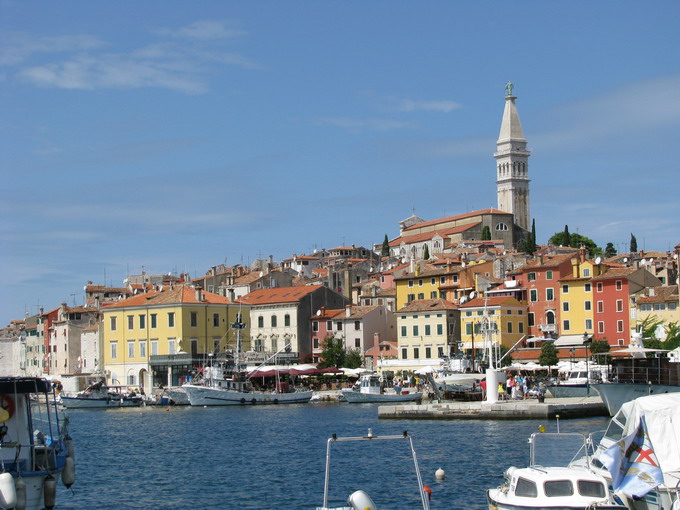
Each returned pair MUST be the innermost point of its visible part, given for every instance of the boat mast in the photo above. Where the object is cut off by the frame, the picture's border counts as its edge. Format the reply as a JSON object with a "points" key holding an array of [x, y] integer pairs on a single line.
{"points": [[238, 326]]}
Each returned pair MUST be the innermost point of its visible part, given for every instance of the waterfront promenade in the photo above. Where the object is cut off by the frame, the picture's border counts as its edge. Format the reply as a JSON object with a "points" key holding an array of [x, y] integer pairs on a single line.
{"points": [[575, 407]]}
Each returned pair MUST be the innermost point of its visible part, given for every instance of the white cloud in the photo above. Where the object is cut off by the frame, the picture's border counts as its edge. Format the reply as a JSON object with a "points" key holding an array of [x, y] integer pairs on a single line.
{"points": [[362, 124], [204, 30], [412, 105], [19, 47]]}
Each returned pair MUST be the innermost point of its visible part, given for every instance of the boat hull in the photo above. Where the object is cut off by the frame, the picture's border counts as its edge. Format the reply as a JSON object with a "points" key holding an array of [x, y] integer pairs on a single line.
{"points": [[614, 395], [99, 403], [356, 397], [493, 497], [207, 396], [570, 390]]}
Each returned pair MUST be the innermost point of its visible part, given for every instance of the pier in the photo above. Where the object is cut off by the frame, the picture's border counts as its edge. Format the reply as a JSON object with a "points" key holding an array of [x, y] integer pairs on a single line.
{"points": [[576, 407]]}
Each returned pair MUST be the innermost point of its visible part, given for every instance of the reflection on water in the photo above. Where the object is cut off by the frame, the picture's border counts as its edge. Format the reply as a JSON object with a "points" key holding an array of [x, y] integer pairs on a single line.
{"points": [[274, 457]]}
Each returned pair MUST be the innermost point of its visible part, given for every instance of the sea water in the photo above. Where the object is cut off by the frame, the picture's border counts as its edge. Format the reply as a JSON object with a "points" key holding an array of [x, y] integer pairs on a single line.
{"points": [[266, 457]]}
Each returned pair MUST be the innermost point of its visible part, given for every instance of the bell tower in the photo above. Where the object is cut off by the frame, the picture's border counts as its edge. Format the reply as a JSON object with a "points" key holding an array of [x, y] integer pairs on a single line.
{"points": [[512, 164]]}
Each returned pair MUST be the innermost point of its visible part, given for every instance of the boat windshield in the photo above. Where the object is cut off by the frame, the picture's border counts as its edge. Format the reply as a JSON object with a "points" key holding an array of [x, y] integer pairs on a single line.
{"points": [[557, 449]]}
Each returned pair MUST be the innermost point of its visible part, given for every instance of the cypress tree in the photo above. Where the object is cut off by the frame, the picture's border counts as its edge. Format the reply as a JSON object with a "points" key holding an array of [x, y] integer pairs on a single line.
{"points": [[633, 243], [385, 252]]}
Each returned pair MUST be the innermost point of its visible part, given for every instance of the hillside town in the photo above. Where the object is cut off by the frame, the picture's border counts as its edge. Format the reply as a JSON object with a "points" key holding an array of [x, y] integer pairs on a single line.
{"points": [[416, 300]]}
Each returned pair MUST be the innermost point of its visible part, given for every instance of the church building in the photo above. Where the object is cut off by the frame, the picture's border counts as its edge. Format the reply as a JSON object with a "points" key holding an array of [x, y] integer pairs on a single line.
{"points": [[509, 223]]}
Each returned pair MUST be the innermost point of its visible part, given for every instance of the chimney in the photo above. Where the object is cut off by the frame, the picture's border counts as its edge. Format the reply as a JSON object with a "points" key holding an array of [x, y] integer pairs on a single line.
{"points": [[582, 253], [199, 294], [540, 260], [652, 292], [348, 310]]}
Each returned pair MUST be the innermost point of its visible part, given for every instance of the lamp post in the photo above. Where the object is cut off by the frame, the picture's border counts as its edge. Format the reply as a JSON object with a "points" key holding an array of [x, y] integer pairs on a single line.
{"points": [[586, 342]]}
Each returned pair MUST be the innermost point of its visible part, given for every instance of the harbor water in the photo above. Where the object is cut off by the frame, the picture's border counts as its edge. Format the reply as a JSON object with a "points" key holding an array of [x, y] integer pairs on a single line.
{"points": [[266, 457]]}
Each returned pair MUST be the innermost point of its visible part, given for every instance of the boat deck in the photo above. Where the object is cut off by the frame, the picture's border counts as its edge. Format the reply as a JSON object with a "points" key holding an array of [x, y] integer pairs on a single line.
{"points": [[575, 407]]}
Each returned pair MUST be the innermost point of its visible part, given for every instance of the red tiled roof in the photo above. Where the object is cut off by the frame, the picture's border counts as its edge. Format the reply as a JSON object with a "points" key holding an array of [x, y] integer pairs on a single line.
{"points": [[278, 295], [456, 218], [181, 294], [425, 236], [616, 272], [480, 302], [424, 305]]}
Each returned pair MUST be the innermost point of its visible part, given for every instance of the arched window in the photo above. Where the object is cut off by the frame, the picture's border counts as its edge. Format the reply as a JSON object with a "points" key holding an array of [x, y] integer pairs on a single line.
{"points": [[286, 320], [550, 317], [501, 226], [260, 322], [437, 247], [273, 321]]}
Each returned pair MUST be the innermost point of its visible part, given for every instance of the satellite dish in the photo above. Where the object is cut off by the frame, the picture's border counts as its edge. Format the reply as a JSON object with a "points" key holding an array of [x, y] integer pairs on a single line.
{"points": [[318, 312], [403, 261], [643, 262], [625, 259], [598, 260], [462, 264], [463, 299], [472, 295], [370, 269]]}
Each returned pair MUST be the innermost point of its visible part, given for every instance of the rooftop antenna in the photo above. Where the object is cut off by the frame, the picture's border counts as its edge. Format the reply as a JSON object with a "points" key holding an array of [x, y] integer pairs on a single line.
{"points": [[74, 299]]}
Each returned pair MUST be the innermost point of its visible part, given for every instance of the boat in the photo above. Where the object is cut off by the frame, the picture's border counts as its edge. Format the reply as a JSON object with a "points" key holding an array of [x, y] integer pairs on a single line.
{"points": [[359, 499], [456, 375], [100, 396], [577, 382], [555, 478], [369, 389], [640, 452], [217, 388], [35, 448]]}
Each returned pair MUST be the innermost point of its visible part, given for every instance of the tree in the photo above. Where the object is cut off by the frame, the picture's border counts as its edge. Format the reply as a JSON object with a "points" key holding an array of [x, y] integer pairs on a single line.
{"points": [[566, 238], [385, 252], [597, 349], [354, 359], [332, 352], [576, 241], [609, 250], [486, 233], [548, 356], [507, 361], [633, 243], [426, 253]]}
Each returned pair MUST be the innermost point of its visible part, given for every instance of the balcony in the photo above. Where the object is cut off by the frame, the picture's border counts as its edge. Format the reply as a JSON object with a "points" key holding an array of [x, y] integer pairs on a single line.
{"points": [[548, 328]]}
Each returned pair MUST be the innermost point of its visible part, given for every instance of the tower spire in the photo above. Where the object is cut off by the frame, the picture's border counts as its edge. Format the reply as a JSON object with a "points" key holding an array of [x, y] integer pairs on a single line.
{"points": [[512, 164]]}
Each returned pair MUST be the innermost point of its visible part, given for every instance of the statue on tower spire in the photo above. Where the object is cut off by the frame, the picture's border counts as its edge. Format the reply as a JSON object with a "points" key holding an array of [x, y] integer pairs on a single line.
{"points": [[508, 88]]}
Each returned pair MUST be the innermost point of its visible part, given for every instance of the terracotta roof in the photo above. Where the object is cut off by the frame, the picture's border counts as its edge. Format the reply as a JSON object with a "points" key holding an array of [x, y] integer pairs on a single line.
{"points": [[356, 312], [278, 295], [661, 294], [425, 236], [424, 305], [397, 268], [181, 294], [616, 272], [548, 261], [455, 218], [104, 288], [432, 271], [480, 302]]}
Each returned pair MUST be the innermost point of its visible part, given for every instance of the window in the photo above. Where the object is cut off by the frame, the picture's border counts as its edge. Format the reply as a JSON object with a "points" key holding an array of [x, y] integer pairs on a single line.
{"points": [[420, 282], [260, 322], [588, 305], [411, 297], [154, 347], [433, 281], [591, 489], [600, 286], [403, 331], [357, 342], [131, 349], [589, 324], [565, 306], [509, 327], [521, 327], [433, 294], [533, 295], [548, 275], [171, 346], [410, 284], [131, 321], [338, 326], [619, 326], [404, 353], [455, 278], [316, 343], [672, 306], [415, 330], [427, 330], [619, 305], [416, 353], [549, 294], [440, 329], [273, 321], [586, 272], [171, 319], [600, 307], [357, 325], [530, 319], [428, 352], [193, 319], [114, 350], [558, 488], [565, 289], [619, 284], [421, 295], [216, 320], [442, 280], [565, 325], [153, 321], [142, 349], [142, 322], [587, 287], [600, 326], [315, 326], [531, 277], [468, 328], [501, 227], [526, 488], [286, 320], [113, 324]]}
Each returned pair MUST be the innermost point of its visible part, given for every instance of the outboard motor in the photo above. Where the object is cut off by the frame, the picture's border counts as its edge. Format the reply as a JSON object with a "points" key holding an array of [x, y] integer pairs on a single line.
{"points": [[359, 500]]}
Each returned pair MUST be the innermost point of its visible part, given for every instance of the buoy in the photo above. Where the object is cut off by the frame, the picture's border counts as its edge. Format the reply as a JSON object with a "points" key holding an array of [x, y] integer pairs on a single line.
{"points": [[50, 492], [541, 428], [440, 474], [8, 492], [71, 452], [428, 491], [20, 487], [68, 474]]}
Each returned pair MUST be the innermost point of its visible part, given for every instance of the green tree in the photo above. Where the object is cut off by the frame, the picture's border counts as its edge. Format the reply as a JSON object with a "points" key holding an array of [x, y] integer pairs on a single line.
{"points": [[633, 243], [609, 250], [576, 241], [598, 348], [649, 327], [354, 359], [385, 252], [507, 361], [566, 237], [332, 352], [486, 233], [548, 356], [426, 253]]}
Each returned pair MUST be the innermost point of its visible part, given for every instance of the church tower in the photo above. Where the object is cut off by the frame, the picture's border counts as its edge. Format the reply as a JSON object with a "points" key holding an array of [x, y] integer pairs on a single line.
{"points": [[512, 165]]}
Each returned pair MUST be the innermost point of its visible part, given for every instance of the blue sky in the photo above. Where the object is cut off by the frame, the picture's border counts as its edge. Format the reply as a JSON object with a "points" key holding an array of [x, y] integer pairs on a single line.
{"points": [[173, 136]]}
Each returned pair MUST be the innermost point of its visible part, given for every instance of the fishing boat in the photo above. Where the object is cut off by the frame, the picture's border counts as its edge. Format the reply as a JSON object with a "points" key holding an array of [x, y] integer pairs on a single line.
{"points": [[555, 479], [369, 389], [100, 396], [35, 448], [359, 499], [640, 453], [577, 381], [217, 388]]}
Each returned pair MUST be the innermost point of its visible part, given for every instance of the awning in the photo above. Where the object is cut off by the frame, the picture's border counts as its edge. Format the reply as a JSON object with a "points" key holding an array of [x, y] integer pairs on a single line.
{"points": [[569, 340]]}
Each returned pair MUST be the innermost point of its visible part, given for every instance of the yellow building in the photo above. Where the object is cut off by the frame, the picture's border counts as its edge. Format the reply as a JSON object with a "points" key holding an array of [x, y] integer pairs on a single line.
{"points": [[576, 299], [160, 337], [657, 303], [507, 320], [427, 330]]}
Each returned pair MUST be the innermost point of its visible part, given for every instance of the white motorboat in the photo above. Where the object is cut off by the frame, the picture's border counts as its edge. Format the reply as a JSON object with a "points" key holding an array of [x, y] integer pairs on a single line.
{"points": [[577, 381], [35, 448], [641, 447], [369, 389], [101, 396], [553, 480], [360, 500]]}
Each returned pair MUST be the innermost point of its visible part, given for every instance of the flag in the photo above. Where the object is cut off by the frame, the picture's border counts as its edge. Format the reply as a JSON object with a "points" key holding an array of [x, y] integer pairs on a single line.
{"points": [[633, 464]]}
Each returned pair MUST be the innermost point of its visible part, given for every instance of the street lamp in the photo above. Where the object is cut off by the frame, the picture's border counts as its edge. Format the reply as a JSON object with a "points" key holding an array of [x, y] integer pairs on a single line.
{"points": [[586, 342]]}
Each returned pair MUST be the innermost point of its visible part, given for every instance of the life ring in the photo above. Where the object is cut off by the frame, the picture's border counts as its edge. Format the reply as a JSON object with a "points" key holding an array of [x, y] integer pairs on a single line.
{"points": [[7, 403], [276, 400], [243, 401], [253, 401]]}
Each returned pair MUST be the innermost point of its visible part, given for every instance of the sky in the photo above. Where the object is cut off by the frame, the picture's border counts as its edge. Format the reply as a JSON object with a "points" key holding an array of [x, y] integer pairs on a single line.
{"points": [[171, 136]]}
